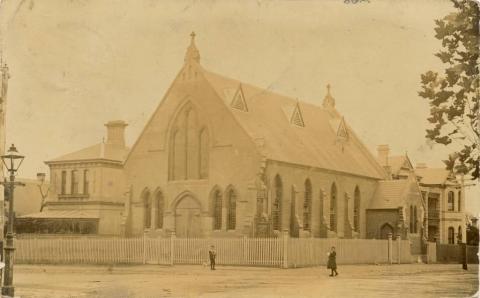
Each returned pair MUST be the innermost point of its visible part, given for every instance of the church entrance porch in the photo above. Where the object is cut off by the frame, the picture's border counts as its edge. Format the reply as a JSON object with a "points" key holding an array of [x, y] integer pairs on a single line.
{"points": [[188, 218]]}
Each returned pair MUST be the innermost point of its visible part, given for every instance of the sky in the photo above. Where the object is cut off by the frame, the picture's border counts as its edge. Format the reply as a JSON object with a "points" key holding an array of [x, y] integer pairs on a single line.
{"points": [[77, 64]]}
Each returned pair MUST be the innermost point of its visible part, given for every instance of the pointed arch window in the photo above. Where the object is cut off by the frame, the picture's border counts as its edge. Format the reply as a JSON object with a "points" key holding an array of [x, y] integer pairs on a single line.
{"points": [[160, 208], [415, 222], [277, 204], [321, 199], [293, 232], [188, 158], [356, 210], [203, 153], [307, 205], [231, 209], [217, 209], [147, 210], [333, 208], [411, 219]]}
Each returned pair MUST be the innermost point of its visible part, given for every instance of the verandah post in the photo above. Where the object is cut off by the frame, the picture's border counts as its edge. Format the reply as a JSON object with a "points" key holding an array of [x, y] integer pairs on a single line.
{"points": [[172, 247], [144, 244], [285, 248], [390, 249], [399, 248]]}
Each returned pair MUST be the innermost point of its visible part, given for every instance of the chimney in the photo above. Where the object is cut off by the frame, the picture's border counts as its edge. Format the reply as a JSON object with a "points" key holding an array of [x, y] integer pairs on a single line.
{"points": [[116, 133], [382, 154], [421, 165]]}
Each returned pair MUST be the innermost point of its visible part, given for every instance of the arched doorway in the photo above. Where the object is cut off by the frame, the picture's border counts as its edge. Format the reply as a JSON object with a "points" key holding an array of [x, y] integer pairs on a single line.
{"points": [[187, 218], [385, 230]]}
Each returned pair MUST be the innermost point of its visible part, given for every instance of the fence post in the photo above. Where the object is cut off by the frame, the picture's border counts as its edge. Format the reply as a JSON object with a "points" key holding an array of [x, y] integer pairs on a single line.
{"points": [[390, 249], [399, 248], [144, 244], [172, 247], [285, 248]]}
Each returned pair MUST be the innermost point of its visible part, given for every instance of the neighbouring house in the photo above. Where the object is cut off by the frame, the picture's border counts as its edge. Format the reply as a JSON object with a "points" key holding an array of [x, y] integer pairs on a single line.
{"points": [[445, 197], [86, 193], [398, 201]]}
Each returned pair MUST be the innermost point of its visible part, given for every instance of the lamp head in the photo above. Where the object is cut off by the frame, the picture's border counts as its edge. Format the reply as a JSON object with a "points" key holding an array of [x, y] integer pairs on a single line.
{"points": [[12, 160]]}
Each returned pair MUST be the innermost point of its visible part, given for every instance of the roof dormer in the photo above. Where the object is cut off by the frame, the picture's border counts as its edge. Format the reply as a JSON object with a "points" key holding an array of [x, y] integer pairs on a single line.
{"points": [[238, 100], [297, 117]]}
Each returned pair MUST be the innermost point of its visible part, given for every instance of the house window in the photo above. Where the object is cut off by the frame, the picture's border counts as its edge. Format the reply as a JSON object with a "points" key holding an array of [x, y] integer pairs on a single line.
{"points": [[217, 209], [451, 201], [231, 210], [85, 182], [307, 205], [356, 210], [277, 204], [160, 203], [63, 187], [74, 185], [333, 208], [459, 235], [459, 205], [451, 235], [147, 210]]}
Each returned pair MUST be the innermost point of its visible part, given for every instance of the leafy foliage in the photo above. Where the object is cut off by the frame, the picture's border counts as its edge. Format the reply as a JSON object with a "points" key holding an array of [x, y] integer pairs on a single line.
{"points": [[454, 95]]}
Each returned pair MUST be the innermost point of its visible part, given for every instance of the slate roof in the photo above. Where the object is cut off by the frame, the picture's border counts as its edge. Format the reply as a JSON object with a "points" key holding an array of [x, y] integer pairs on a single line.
{"points": [[390, 194], [316, 144], [98, 151]]}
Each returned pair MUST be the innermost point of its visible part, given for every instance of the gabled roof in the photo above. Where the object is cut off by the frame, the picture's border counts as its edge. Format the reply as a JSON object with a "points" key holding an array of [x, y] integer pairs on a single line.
{"points": [[435, 176], [100, 151], [390, 194], [399, 163], [313, 145]]}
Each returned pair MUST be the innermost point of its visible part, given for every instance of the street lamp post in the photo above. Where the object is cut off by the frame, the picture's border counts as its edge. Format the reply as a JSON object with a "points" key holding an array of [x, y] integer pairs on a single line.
{"points": [[12, 161]]}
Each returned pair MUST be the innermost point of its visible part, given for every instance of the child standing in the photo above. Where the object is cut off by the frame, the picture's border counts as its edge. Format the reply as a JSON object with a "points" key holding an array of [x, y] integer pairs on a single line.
{"points": [[332, 261], [212, 254]]}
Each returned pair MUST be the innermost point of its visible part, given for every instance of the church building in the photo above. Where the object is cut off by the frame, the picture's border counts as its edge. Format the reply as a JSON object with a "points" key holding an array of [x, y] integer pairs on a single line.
{"points": [[223, 158]]}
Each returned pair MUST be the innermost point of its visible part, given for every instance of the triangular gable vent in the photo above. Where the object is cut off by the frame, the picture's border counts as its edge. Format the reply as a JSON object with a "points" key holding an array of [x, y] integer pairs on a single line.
{"points": [[238, 101], [297, 117], [342, 132]]}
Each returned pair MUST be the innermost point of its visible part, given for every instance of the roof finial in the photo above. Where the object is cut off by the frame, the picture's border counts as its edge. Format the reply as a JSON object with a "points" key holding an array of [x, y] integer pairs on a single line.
{"points": [[192, 52], [329, 101]]}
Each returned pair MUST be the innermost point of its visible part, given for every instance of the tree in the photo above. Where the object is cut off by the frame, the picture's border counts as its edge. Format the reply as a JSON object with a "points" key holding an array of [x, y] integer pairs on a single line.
{"points": [[453, 96]]}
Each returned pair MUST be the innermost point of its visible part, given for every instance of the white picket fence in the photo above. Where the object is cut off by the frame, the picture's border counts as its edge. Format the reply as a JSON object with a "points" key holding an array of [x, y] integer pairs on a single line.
{"points": [[273, 252]]}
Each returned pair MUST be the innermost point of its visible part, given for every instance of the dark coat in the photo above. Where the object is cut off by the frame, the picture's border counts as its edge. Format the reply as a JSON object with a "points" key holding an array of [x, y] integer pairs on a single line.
{"points": [[212, 254], [332, 260]]}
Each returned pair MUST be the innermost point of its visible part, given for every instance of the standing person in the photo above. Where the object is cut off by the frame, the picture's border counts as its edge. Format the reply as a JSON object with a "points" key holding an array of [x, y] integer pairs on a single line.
{"points": [[332, 261], [212, 254]]}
